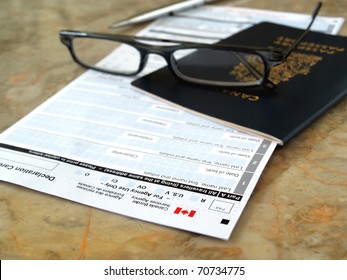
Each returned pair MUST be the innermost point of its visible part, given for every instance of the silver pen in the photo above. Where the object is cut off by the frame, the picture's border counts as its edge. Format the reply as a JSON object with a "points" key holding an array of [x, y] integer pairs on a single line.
{"points": [[166, 10]]}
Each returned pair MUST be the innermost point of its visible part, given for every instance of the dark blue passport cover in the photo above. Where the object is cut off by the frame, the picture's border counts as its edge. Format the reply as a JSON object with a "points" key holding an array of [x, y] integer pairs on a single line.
{"points": [[313, 79]]}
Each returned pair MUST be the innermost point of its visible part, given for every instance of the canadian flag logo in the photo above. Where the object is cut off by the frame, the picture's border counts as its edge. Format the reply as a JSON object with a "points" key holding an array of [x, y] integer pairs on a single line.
{"points": [[190, 213]]}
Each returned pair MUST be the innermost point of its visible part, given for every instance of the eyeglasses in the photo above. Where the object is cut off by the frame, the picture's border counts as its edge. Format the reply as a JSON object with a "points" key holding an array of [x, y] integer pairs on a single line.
{"points": [[192, 62]]}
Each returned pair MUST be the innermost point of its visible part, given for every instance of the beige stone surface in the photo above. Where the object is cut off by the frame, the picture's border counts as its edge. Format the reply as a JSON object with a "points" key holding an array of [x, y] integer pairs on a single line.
{"points": [[299, 207]]}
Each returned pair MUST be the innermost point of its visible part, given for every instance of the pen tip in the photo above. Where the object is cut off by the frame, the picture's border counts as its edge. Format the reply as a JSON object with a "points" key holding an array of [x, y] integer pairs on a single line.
{"points": [[118, 24]]}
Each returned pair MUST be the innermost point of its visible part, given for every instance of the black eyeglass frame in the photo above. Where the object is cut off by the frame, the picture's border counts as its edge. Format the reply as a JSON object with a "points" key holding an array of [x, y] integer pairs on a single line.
{"points": [[270, 56]]}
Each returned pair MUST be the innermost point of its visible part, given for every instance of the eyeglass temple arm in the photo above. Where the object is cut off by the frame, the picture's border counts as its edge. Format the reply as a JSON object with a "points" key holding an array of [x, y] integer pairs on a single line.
{"points": [[303, 35]]}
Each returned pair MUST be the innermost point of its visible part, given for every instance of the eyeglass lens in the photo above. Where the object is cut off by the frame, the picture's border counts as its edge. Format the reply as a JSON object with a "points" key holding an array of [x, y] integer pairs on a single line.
{"points": [[219, 66], [93, 52]]}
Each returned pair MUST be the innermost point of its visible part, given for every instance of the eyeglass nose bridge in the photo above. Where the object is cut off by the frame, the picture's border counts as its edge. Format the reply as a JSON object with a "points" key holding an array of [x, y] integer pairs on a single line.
{"points": [[154, 50]]}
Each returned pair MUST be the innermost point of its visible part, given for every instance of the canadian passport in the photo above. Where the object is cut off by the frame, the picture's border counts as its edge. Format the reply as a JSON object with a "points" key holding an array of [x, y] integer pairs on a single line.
{"points": [[313, 79]]}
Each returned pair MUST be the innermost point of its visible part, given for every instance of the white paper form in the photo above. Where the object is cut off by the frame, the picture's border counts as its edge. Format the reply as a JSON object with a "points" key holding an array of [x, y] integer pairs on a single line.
{"points": [[100, 143], [211, 23]]}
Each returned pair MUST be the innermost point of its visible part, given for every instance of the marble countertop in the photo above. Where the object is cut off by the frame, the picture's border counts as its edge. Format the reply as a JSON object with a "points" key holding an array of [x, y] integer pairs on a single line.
{"points": [[299, 207]]}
